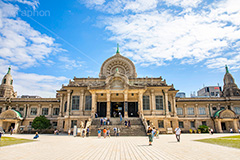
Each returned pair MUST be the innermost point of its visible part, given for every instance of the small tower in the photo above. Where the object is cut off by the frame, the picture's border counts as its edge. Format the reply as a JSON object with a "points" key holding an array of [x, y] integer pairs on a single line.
{"points": [[229, 88], [6, 87]]}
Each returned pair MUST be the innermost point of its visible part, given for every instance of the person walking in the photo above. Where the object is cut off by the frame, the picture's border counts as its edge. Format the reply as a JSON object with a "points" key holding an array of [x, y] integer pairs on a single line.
{"points": [[69, 131], [120, 115], [99, 133], [211, 131], [104, 132], [11, 130], [178, 133], [83, 133], [150, 136]]}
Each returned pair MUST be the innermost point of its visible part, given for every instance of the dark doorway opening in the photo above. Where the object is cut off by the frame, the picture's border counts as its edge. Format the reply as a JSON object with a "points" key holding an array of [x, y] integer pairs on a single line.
{"points": [[11, 126], [223, 126], [117, 107], [102, 109], [132, 109]]}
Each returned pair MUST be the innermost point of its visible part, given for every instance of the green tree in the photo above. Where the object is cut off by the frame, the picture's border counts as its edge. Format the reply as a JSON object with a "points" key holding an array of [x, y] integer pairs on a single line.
{"points": [[41, 123], [203, 128]]}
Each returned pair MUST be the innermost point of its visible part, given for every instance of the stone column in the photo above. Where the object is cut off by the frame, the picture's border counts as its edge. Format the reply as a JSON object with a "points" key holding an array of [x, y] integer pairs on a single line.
{"points": [[219, 126], [108, 104], [50, 110], [25, 110], [61, 106], [93, 102], [196, 110], [28, 110], [153, 106], [140, 101], [185, 110], [235, 126], [81, 102], [39, 109], [174, 105], [166, 103], [209, 111], [126, 104], [68, 101]]}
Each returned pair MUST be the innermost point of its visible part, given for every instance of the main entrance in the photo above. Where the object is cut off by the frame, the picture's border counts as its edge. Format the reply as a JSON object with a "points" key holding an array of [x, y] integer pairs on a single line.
{"points": [[117, 107], [132, 109], [102, 109]]}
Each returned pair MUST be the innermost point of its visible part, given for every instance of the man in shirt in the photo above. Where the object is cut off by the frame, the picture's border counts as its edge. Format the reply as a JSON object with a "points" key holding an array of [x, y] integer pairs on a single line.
{"points": [[178, 133]]}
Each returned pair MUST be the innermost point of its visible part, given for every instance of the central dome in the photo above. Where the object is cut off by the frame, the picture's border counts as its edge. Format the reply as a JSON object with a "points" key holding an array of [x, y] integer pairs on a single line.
{"points": [[118, 62]]}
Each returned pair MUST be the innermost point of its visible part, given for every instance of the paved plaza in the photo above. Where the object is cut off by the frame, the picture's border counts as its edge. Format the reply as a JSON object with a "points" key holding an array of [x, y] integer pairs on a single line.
{"points": [[166, 147]]}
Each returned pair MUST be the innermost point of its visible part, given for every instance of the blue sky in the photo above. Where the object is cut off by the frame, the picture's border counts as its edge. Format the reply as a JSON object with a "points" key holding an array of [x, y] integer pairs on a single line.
{"points": [[187, 42]]}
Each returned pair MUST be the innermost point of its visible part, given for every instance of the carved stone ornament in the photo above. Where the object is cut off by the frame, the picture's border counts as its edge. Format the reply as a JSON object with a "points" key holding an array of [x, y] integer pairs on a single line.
{"points": [[227, 114], [9, 114]]}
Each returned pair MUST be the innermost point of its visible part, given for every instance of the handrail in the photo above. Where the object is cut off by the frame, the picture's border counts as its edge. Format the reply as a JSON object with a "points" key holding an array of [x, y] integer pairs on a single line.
{"points": [[144, 121]]}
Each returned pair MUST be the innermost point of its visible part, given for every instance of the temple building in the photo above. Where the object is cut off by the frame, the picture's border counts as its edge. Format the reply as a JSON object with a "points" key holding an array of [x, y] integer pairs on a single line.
{"points": [[150, 101]]}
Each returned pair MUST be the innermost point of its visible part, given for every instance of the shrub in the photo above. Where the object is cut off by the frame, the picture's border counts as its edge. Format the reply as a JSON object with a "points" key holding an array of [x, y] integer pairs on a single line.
{"points": [[41, 122], [203, 128]]}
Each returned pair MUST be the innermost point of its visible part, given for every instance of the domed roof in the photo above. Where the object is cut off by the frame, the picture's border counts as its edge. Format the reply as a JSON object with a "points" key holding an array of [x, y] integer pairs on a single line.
{"points": [[7, 79], [118, 62]]}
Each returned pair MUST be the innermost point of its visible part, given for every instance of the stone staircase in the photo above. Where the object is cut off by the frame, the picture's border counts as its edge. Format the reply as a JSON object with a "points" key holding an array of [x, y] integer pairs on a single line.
{"points": [[136, 129]]}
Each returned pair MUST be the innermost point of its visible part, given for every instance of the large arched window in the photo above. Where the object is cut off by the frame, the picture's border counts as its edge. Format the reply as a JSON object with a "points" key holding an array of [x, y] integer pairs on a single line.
{"points": [[169, 107]]}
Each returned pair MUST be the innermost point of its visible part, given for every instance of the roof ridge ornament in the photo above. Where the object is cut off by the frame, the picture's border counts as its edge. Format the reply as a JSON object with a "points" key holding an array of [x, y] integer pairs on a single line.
{"points": [[118, 52], [227, 71], [9, 70]]}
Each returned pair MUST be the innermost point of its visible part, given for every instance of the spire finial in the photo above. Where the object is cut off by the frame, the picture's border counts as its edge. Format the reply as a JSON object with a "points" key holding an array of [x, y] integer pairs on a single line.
{"points": [[117, 48], [226, 69], [9, 70]]}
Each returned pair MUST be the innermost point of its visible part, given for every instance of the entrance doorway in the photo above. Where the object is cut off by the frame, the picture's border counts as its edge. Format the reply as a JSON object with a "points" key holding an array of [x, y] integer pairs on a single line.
{"points": [[223, 124], [132, 109], [117, 107], [102, 109]]}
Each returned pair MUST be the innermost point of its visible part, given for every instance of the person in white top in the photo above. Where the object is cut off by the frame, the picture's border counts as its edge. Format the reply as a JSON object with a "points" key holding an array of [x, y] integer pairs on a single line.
{"points": [[178, 133]]}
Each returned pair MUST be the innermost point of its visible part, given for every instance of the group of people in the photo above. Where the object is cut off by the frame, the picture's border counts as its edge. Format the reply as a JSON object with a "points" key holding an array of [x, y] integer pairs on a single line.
{"points": [[152, 132], [106, 132], [127, 123], [210, 130], [104, 121]]}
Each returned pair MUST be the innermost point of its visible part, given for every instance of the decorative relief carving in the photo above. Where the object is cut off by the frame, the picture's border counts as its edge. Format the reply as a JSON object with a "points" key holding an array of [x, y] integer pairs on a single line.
{"points": [[9, 114], [227, 114]]}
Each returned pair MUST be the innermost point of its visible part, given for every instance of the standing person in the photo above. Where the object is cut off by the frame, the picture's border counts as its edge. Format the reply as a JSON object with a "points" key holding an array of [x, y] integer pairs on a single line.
{"points": [[153, 132], [129, 123], [83, 133], [238, 130], [108, 132], [11, 130], [101, 121], [209, 130], [118, 131], [36, 135], [157, 133], [115, 131], [126, 123], [108, 121], [150, 137], [178, 133], [0, 135], [88, 131], [69, 131], [99, 133], [231, 130], [96, 115], [104, 132]]}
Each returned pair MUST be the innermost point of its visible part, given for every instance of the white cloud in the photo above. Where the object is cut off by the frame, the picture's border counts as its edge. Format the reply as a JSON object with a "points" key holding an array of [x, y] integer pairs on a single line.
{"points": [[70, 64], [157, 35], [183, 3]]}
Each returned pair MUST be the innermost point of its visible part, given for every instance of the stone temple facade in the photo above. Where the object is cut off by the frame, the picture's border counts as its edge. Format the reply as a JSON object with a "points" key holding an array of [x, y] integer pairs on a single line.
{"points": [[118, 89]]}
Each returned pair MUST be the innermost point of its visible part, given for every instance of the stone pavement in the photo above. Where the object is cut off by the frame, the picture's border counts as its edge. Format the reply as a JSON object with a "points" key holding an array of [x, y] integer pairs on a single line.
{"points": [[136, 148]]}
